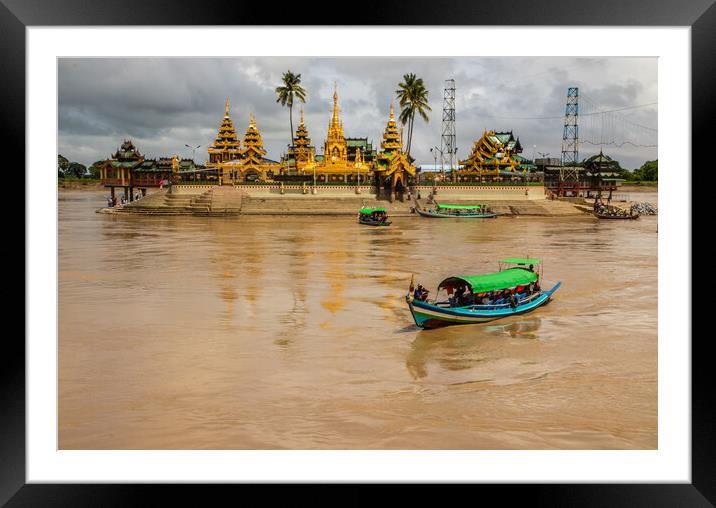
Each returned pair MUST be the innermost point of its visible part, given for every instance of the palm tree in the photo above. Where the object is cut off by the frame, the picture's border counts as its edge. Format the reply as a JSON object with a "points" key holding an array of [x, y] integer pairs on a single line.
{"points": [[413, 98], [291, 88]]}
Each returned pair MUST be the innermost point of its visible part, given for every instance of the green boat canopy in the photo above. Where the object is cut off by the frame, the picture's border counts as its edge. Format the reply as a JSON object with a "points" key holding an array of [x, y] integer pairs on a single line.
{"points": [[371, 210], [521, 261], [460, 207], [506, 279]]}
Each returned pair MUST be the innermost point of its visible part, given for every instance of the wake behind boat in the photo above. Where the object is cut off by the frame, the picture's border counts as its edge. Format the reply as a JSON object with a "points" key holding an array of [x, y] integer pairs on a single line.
{"points": [[514, 289], [442, 211]]}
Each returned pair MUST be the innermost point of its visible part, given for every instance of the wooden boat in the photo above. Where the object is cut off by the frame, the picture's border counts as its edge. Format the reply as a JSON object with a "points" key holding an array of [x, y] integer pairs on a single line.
{"points": [[513, 275], [619, 213], [373, 217], [607, 216], [441, 211]]}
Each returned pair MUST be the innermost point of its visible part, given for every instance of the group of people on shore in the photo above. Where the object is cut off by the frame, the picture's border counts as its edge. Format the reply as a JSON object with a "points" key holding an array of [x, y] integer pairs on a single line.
{"points": [[113, 201]]}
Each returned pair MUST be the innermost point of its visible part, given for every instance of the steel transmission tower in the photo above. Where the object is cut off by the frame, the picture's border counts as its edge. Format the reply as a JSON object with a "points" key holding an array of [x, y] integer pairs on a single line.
{"points": [[447, 142], [570, 136]]}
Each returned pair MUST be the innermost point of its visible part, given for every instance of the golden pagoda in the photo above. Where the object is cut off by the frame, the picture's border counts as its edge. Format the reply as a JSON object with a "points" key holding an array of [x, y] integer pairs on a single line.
{"points": [[393, 169], [336, 149], [251, 164], [494, 156], [301, 151], [337, 165], [226, 146]]}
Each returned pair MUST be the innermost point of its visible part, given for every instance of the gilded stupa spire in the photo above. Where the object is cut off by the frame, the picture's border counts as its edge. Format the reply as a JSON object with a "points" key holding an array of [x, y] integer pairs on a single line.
{"points": [[226, 113], [335, 120]]}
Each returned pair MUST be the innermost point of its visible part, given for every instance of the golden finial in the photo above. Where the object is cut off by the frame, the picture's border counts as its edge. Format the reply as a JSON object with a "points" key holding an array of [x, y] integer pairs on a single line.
{"points": [[301, 115], [252, 120], [334, 120], [227, 107], [392, 113]]}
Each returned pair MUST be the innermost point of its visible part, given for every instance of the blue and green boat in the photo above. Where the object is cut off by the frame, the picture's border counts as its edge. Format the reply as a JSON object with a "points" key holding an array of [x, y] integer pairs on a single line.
{"points": [[373, 216], [468, 299]]}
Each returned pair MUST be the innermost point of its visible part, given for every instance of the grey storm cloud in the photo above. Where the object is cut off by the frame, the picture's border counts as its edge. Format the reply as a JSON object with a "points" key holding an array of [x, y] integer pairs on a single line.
{"points": [[163, 104]]}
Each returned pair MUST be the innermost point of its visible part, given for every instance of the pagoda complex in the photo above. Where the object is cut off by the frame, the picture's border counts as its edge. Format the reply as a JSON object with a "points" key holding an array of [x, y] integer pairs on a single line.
{"points": [[344, 159], [250, 164], [226, 146], [493, 157], [393, 170]]}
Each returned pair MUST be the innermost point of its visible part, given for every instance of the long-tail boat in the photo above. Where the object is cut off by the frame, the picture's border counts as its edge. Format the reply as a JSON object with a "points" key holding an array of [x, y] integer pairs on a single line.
{"points": [[514, 289], [373, 217], [443, 211]]}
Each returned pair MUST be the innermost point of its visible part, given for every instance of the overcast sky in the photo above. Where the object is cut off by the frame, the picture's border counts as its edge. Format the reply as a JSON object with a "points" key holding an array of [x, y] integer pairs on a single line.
{"points": [[163, 104]]}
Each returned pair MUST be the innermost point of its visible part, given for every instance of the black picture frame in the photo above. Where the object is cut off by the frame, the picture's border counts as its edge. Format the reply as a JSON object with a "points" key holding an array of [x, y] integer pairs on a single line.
{"points": [[16, 15]]}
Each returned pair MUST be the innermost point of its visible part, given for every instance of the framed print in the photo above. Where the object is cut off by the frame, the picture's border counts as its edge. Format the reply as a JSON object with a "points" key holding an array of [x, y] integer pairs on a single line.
{"points": [[425, 248]]}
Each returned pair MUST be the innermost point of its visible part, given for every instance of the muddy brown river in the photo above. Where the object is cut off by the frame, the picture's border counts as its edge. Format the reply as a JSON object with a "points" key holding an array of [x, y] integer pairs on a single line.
{"points": [[293, 332]]}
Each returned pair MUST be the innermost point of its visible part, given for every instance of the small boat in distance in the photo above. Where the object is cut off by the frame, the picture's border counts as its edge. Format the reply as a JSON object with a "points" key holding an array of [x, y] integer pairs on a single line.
{"points": [[608, 215], [443, 211], [373, 217], [514, 289]]}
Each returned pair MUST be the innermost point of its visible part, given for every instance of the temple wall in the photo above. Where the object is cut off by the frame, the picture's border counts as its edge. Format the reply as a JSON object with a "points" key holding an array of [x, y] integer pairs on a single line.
{"points": [[487, 193]]}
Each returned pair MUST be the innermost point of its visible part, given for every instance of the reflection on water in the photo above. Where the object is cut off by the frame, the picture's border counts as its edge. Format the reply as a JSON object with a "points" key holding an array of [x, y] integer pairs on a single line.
{"points": [[266, 332]]}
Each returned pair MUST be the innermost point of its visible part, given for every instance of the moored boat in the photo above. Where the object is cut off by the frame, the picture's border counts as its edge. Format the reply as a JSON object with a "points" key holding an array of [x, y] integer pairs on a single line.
{"points": [[373, 217], [443, 211], [615, 216], [514, 289]]}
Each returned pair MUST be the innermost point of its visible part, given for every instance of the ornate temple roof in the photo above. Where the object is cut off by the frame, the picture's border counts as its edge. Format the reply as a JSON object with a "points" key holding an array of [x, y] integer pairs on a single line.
{"points": [[127, 152]]}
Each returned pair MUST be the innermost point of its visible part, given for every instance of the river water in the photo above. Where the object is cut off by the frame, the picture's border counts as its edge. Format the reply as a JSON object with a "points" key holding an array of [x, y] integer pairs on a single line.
{"points": [[292, 332]]}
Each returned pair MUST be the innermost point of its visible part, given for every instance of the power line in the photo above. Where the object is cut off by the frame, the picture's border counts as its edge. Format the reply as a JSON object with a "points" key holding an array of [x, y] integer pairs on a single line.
{"points": [[580, 114]]}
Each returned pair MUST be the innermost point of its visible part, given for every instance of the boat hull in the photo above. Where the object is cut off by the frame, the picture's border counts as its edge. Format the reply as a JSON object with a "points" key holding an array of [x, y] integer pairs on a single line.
{"points": [[462, 216], [623, 217], [374, 223], [427, 315]]}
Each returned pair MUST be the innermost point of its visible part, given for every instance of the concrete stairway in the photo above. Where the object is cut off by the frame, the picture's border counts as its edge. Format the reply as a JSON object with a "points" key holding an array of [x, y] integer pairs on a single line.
{"points": [[316, 205]]}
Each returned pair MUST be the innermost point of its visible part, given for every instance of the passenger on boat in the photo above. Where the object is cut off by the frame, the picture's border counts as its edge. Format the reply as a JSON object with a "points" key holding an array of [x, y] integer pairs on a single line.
{"points": [[532, 268], [513, 300], [420, 293]]}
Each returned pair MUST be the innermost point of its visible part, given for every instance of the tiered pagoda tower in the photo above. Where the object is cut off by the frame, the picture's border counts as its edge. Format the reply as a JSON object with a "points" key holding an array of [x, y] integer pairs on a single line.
{"points": [[253, 151], [302, 151], [226, 146], [393, 170], [250, 164], [494, 155]]}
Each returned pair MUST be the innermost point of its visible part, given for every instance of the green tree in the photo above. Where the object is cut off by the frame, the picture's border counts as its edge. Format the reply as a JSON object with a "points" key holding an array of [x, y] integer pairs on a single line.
{"points": [[76, 169], [94, 169], [413, 98], [286, 93], [62, 165], [649, 171]]}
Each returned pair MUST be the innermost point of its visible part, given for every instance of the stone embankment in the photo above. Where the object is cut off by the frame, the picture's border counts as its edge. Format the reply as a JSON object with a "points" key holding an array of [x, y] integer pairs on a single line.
{"points": [[228, 201]]}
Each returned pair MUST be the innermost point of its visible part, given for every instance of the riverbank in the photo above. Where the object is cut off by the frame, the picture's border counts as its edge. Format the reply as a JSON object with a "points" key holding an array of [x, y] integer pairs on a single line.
{"points": [[234, 201], [72, 184]]}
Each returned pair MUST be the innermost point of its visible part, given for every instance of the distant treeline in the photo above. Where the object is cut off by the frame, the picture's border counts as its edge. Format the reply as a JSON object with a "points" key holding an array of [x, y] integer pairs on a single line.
{"points": [[648, 172], [67, 169]]}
